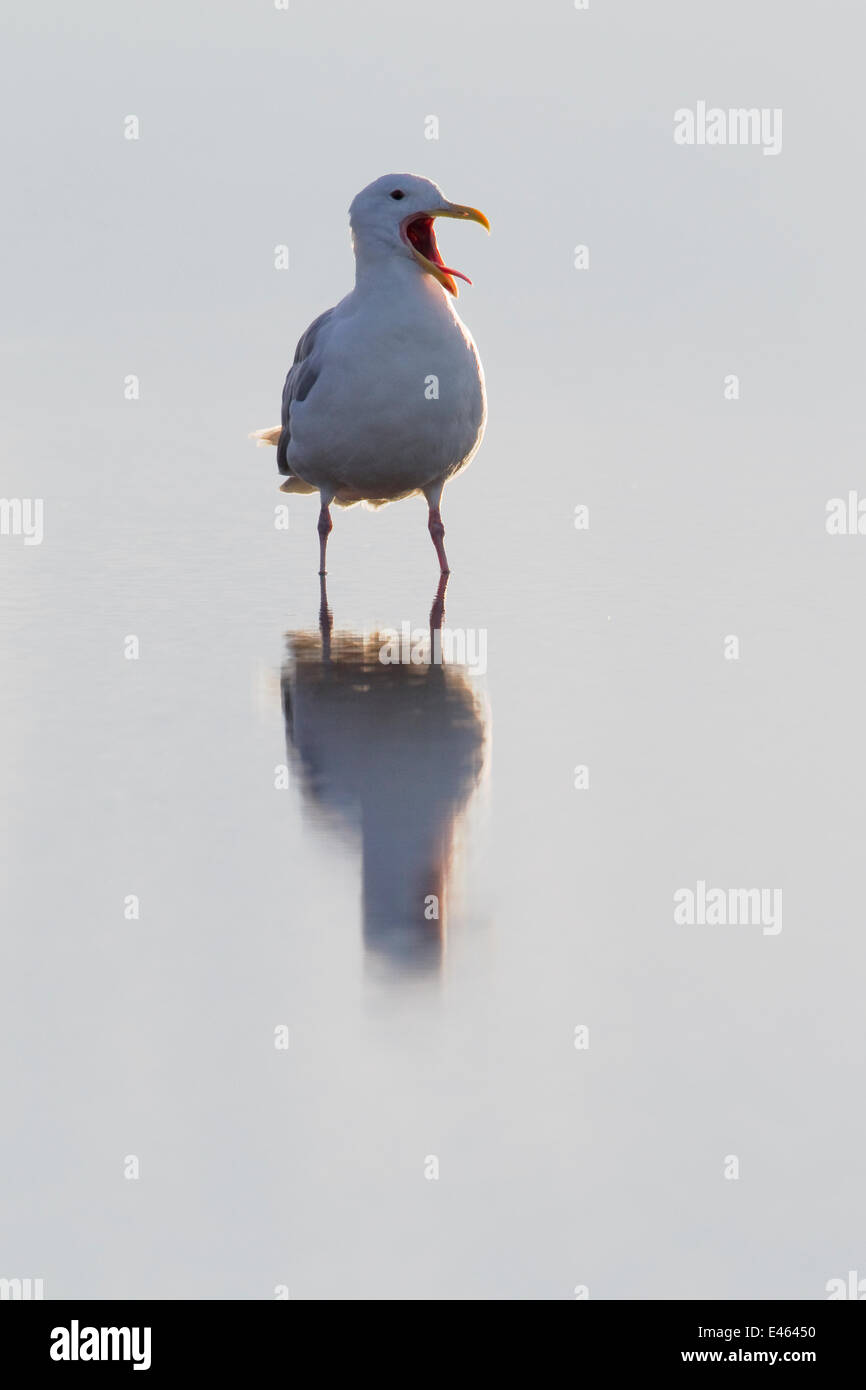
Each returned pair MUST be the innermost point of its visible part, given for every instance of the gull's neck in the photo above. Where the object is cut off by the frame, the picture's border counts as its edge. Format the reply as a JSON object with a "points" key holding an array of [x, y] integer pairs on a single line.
{"points": [[381, 270]]}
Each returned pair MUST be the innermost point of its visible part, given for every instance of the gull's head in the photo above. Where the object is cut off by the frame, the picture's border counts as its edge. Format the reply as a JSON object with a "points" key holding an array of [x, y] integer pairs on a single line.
{"points": [[395, 214]]}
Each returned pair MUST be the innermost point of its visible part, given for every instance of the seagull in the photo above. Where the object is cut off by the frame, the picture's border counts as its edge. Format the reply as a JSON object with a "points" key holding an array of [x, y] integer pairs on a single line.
{"points": [[385, 398]]}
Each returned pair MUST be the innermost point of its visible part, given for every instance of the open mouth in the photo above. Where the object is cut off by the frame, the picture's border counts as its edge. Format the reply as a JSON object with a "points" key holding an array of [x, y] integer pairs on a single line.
{"points": [[418, 232]]}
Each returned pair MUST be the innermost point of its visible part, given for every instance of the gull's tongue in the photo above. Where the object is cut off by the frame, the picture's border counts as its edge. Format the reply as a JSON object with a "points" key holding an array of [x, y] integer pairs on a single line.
{"points": [[458, 273], [436, 258]]}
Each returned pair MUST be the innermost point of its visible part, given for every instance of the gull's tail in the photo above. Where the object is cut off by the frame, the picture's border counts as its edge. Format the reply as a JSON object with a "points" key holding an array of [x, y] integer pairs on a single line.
{"points": [[272, 436], [265, 437], [293, 484]]}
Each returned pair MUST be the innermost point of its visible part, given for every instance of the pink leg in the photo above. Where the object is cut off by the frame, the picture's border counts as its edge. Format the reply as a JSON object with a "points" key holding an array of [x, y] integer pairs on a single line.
{"points": [[325, 527], [437, 533], [437, 612], [326, 619]]}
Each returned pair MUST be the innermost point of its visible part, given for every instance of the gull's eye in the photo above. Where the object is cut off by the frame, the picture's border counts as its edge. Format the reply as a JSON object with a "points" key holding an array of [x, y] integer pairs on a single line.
{"points": [[398, 193]]}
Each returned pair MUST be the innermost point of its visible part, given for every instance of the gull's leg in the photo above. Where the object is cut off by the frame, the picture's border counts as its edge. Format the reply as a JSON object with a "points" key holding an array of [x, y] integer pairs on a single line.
{"points": [[435, 525], [437, 532], [437, 612], [325, 527], [326, 619]]}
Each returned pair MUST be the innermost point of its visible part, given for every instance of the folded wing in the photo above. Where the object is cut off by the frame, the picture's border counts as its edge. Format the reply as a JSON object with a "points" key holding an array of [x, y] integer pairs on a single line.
{"points": [[301, 380]]}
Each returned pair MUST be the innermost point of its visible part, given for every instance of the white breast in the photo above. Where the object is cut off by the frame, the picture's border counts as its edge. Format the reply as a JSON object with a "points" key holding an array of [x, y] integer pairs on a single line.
{"points": [[399, 399]]}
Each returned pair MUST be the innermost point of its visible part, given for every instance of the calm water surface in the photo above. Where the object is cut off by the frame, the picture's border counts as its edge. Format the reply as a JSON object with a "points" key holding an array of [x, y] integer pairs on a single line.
{"points": [[285, 807]]}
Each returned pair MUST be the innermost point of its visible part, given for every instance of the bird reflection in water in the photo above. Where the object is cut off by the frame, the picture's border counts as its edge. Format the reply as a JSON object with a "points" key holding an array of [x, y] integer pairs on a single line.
{"points": [[394, 752]]}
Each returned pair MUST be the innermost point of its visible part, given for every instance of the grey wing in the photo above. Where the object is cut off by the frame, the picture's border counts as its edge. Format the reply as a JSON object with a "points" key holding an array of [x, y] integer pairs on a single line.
{"points": [[299, 382]]}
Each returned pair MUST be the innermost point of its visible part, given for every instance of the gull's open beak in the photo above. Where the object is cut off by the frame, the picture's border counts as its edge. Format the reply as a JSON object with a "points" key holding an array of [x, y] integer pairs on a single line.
{"points": [[459, 210], [418, 232]]}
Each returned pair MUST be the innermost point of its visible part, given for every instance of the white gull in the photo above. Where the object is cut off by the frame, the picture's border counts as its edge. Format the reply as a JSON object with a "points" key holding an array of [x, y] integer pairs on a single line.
{"points": [[385, 397]]}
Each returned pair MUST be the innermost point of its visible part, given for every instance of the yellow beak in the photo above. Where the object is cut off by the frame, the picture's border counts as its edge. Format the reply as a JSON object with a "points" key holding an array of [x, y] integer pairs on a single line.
{"points": [[460, 210]]}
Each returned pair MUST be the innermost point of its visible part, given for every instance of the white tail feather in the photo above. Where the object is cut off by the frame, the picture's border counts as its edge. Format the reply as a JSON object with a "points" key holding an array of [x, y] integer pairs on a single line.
{"points": [[265, 437], [293, 484]]}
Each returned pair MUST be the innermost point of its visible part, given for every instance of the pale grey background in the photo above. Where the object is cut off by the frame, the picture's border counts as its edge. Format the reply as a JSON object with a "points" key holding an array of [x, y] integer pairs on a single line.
{"points": [[707, 518]]}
